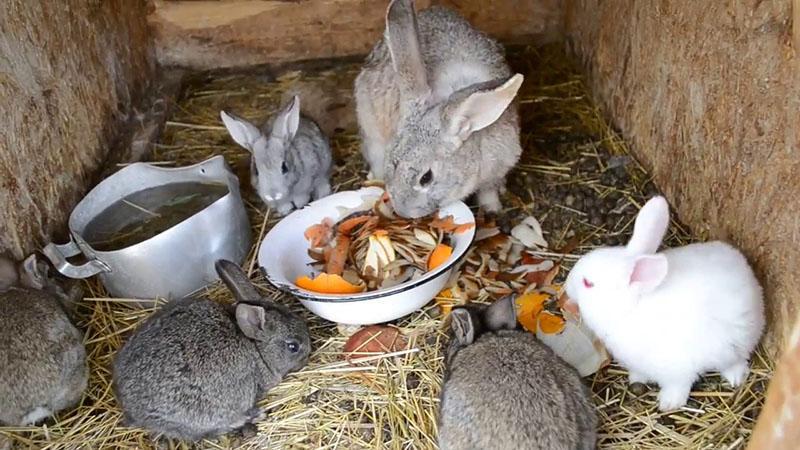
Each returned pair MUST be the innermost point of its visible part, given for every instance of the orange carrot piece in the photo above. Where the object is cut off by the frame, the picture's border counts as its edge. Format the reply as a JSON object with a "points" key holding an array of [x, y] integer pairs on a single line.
{"points": [[338, 256], [446, 224], [551, 323], [319, 234], [464, 227], [328, 284], [528, 308], [439, 255], [348, 225]]}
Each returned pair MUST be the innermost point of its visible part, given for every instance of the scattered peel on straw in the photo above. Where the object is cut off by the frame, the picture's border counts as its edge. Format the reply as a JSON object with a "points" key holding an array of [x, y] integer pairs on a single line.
{"points": [[328, 284]]}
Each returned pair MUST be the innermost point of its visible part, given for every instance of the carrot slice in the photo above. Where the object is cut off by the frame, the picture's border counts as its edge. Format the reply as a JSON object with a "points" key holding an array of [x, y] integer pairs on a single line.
{"points": [[446, 224], [348, 225], [464, 227], [338, 255], [445, 301], [528, 308], [325, 283], [550, 323], [439, 255], [320, 234]]}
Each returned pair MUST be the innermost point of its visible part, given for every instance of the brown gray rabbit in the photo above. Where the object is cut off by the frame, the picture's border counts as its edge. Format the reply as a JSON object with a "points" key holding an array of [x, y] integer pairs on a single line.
{"points": [[503, 389], [196, 369], [434, 107], [42, 356]]}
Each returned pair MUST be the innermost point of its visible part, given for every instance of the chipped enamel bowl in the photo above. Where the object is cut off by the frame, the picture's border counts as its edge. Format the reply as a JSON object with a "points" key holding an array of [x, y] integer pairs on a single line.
{"points": [[283, 257]]}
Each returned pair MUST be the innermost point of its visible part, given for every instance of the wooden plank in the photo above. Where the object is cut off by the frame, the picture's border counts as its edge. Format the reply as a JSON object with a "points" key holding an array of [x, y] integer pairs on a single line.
{"points": [[239, 33], [778, 426]]}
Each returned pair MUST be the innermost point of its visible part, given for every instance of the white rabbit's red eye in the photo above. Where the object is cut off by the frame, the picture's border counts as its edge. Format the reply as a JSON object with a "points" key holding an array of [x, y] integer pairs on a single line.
{"points": [[588, 283]]}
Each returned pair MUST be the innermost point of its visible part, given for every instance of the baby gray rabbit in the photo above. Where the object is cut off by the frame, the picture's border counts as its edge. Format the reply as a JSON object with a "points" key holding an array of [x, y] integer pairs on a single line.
{"points": [[291, 157], [42, 356], [434, 107], [195, 369], [504, 389]]}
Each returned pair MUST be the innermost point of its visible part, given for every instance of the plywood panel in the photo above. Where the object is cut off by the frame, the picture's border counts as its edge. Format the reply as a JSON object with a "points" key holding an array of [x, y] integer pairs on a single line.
{"points": [[240, 33]]}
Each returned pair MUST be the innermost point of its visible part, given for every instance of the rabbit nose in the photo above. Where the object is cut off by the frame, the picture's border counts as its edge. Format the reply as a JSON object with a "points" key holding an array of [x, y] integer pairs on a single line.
{"points": [[268, 197], [278, 196]]}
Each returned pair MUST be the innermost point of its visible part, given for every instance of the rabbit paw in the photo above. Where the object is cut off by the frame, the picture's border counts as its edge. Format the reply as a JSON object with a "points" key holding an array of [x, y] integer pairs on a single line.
{"points": [[736, 374], [300, 200], [637, 377], [673, 396], [284, 208], [489, 200], [322, 190]]}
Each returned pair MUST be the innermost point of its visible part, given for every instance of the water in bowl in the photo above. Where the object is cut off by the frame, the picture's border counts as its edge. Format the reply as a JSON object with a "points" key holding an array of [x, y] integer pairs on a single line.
{"points": [[147, 213]]}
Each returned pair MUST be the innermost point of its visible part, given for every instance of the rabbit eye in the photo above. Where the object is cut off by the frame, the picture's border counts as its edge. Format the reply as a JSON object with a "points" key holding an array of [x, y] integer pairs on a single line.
{"points": [[588, 283], [292, 346], [284, 167], [426, 178]]}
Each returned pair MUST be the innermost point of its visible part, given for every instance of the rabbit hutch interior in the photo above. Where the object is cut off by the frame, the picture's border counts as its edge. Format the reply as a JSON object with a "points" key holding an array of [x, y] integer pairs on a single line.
{"points": [[588, 108]]}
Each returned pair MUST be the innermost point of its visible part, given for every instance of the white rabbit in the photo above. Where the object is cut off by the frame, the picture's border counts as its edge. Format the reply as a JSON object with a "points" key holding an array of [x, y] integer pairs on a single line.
{"points": [[669, 317], [291, 157], [435, 109]]}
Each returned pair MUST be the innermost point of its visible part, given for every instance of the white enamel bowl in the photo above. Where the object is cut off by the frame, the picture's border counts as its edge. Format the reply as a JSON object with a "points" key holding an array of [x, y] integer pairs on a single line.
{"points": [[283, 256]]}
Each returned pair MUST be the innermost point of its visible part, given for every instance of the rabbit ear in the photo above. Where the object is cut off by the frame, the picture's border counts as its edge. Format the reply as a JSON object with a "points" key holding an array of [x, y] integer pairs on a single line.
{"points": [[650, 227], [250, 319], [462, 326], [236, 281], [33, 275], [242, 131], [648, 272], [288, 120], [502, 314], [482, 108], [402, 39]]}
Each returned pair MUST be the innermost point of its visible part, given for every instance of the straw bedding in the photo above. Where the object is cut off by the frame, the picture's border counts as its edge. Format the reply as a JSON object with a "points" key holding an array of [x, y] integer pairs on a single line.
{"points": [[576, 176]]}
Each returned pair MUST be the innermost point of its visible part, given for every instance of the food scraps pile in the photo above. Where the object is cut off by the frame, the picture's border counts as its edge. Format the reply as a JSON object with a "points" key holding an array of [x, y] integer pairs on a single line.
{"points": [[499, 265], [376, 249]]}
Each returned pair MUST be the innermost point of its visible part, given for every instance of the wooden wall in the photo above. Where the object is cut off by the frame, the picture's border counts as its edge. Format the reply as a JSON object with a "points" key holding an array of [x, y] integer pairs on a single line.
{"points": [[69, 72], [707, 94], [239, 33]]}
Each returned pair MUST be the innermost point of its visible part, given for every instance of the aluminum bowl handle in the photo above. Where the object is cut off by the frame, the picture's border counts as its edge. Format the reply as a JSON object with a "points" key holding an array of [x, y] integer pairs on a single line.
{"points": [[58, 254]]}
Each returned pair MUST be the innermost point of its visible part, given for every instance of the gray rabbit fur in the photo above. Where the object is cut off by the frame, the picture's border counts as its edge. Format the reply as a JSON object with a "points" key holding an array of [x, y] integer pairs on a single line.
{"points": [[434, 103], [42, 356], [504, 389], [196, 368], [290, 157]]}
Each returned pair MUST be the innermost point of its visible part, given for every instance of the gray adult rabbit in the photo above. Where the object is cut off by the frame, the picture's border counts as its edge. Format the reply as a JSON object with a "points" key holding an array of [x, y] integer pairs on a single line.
{"points": [[196, 368], [42, 356], [291, 157], [504, 389], [434, 107]]}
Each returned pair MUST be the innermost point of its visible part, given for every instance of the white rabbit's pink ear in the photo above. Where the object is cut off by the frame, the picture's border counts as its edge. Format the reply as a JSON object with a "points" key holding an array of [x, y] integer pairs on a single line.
{"points": [[402, 39], [288, 120], [482, 108], [648, 272], [242, 131], [650, 227]]}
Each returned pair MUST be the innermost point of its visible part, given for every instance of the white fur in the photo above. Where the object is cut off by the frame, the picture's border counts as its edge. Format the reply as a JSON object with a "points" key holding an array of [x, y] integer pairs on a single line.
{"points": [[706, 314], [36, 415]]}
